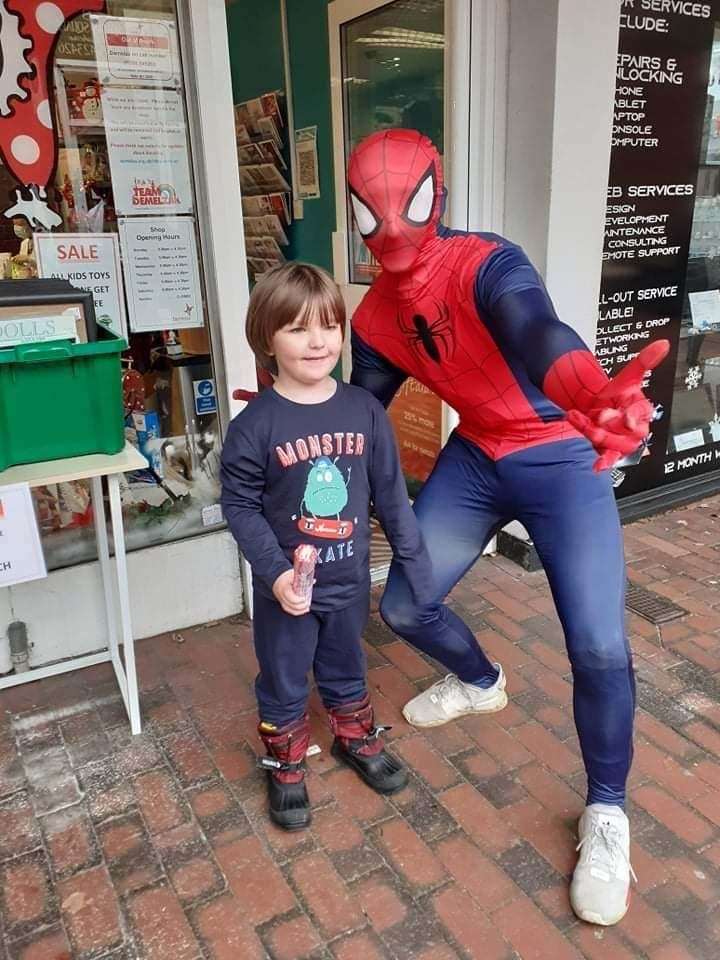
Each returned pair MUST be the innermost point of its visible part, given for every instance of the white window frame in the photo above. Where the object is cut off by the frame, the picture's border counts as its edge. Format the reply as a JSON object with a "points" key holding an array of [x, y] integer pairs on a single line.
{"points": [[204, 24]]}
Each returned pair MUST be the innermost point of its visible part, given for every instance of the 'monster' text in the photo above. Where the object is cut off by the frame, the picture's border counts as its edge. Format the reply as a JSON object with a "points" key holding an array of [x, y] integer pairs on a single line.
{"points": [[321, 445]]}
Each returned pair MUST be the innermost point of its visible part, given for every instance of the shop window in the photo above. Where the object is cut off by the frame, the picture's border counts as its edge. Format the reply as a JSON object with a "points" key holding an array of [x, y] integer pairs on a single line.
{"points": [[120, 218]]}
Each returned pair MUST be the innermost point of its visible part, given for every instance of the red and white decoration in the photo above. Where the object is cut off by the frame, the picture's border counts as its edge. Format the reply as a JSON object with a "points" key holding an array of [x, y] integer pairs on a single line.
{"points": [[29, 30]]}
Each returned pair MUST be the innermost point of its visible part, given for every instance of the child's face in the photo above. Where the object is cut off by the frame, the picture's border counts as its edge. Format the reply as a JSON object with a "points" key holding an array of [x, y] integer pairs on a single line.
{"points": [[306, 352]]}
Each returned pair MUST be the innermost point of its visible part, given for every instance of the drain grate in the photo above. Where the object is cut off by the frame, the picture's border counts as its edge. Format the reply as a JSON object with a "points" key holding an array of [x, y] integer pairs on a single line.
{"points": [[650, 605]]}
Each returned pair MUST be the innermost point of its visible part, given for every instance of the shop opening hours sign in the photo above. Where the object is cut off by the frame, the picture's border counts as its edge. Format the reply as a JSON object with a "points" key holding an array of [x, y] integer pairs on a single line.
{"points": [[161, 268], [659, 144]]}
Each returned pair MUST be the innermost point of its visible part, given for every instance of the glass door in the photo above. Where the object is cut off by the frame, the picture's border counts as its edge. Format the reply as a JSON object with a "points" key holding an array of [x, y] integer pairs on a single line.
{"points": [[388, 65], [393, 62]]}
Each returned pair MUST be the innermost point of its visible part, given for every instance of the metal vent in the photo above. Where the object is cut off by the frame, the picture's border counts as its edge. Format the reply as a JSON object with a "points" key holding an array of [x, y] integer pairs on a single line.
{"points": [[644, 602], [650, 605]]}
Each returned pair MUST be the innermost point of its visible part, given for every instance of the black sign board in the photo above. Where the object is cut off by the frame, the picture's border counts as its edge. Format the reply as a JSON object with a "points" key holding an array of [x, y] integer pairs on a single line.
{"points": [[660, 114]]}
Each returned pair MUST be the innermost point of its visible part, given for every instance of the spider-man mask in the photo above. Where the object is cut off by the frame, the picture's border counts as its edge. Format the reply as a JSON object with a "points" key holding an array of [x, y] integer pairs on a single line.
{"points": [[396, 187]]}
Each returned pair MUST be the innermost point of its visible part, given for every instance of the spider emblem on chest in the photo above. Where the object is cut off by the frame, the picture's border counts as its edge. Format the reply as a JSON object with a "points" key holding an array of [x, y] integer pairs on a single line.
{"points": [[427, 329]]}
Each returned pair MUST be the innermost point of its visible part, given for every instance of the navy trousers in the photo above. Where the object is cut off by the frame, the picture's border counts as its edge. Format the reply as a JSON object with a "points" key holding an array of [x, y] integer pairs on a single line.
{"points": [[571, 515], [288, 648]]}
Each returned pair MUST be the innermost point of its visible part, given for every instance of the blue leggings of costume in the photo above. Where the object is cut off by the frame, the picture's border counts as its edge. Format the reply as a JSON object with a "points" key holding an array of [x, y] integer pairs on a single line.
{"points": [[571, 516]]}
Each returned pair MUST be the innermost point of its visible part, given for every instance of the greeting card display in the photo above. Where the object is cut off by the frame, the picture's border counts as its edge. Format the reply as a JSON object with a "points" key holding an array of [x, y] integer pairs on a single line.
{"points": [[259, 130]]}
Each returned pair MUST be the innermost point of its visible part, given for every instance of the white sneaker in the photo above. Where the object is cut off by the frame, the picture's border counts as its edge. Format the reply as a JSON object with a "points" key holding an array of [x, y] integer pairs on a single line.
{"points": [[451, 697], [600, 887]]}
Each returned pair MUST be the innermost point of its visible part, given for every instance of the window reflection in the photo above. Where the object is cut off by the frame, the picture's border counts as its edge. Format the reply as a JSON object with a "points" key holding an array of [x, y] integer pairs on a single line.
{"points": [[393, 76]]}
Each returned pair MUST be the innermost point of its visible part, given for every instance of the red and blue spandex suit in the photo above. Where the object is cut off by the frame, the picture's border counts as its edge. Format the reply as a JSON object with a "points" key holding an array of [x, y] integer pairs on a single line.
{"points": [[468, 316]]}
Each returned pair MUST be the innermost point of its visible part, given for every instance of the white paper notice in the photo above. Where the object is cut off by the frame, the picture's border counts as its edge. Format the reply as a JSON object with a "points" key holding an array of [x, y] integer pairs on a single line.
{"points": [[308, 178], [132, 50], [211, 515], [688, 440], [162, 275], [21, 556], [90, 261], [705, 309], [148, 151]]}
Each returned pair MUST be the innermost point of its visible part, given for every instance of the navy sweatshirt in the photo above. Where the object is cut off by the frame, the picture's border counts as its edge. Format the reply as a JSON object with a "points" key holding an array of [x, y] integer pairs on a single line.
{"points": [[307, 473]]}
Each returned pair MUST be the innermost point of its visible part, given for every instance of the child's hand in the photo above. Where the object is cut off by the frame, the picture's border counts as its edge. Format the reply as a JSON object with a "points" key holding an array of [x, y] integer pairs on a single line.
{"points": [[290, 601]]}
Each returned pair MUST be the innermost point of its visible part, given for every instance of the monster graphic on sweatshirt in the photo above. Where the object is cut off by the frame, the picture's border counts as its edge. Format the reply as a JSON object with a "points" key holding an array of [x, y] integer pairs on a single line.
{"points": [[296, 473], [325, 492], [325, 496], [326, 481]]}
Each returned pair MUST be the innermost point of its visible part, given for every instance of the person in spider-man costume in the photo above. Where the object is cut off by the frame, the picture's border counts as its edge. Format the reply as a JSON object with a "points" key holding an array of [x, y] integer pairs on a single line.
{"points": [[540, 422]]}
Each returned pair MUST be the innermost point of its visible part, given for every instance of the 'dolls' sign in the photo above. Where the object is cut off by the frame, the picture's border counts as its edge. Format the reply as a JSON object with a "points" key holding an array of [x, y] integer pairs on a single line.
{"points": [[90, 261]]}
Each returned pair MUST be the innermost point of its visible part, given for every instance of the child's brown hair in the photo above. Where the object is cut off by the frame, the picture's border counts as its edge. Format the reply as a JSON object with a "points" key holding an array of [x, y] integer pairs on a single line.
{"points": [[286, 293]]}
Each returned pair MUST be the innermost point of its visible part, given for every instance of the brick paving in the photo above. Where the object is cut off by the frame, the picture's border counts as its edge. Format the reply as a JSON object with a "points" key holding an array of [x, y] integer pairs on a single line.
{"points": [[157, 847]]}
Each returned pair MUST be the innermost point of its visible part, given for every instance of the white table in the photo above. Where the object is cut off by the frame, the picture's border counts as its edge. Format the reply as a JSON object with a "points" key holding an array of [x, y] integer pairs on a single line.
{"points": [[117, 600]]}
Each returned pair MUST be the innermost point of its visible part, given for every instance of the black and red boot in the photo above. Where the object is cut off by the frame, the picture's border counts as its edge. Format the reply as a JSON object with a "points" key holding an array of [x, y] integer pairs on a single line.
{"points": [[357, 743], [286, 746]]}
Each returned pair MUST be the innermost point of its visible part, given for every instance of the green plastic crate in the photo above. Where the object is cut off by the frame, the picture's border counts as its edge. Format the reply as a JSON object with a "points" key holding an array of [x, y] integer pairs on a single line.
{"points": [[61, 399]]}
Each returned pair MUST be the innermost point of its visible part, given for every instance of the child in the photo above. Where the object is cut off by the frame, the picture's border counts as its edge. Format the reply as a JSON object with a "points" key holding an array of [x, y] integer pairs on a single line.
{"points": [[301, 464]]}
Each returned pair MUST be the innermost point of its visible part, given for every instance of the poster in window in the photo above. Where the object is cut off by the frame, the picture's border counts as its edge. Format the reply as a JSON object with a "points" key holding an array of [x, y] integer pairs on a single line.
{"points": [[89, 261], [162, 275], [148, 151], [136, 50], [75, 41], [21, 555], [308, 175], [416, 415]]}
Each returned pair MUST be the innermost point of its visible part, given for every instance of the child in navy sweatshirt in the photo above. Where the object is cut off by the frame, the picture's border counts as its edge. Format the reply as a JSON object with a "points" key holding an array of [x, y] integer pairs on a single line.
{"points": [[302, 464]]}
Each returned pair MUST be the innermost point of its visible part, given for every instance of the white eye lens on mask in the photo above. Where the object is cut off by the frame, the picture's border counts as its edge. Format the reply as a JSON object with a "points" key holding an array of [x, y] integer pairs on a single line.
{"points": [[328, 476], [421, 204], [364, 218]]}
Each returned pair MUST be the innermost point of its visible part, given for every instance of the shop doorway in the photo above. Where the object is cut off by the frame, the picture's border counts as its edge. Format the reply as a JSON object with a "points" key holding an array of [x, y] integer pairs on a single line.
{"points": [[312, 78], [437, 66]]}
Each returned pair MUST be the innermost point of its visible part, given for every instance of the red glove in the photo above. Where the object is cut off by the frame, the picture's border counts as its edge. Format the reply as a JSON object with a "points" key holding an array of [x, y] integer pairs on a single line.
{"points": [[617, 419]]}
